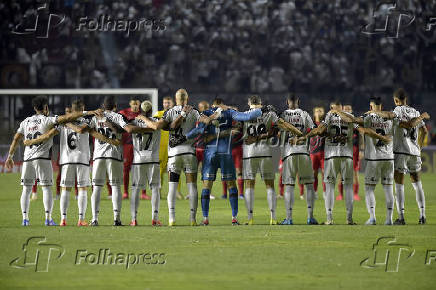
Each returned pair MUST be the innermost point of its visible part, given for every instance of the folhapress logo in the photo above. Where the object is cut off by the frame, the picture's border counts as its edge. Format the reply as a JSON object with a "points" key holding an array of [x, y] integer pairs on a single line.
{"points": [[387, 254], [38, 254]]}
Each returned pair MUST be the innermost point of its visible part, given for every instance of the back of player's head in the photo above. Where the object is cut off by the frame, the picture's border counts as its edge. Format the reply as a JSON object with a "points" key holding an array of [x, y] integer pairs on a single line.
{"points": [[336, 103], [39, 102], [218, 101], [401, 94], [254, 100], [109, 103], [182, 94], [77, 105], [376, 100], [293, 100]]}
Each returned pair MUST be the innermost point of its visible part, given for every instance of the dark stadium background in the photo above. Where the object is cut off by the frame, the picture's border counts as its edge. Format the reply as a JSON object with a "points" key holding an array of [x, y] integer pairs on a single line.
{"points": [[223, 48]]}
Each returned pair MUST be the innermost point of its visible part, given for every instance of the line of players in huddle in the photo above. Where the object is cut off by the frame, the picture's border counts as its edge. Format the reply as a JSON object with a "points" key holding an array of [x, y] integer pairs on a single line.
{"points": [[392, 142]]}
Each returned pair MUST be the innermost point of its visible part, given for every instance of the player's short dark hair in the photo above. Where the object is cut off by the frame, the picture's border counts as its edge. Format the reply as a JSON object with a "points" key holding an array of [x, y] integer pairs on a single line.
{"points": [[292, 97], [109, 103], [336, 103], [39, 102], [375, 100], [77, 103], [255, 100], [401, 94], [218, 101], [134, 98], [168, 98]]}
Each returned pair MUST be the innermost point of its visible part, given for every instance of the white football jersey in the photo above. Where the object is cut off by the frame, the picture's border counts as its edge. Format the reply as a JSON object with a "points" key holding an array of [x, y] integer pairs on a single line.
{"points": [[302, 121], [255, 128], [32, 128], [339, 139], [375, 149], [145, 145], [105, 126], [74, 147], [187, 125], [406, 140]]}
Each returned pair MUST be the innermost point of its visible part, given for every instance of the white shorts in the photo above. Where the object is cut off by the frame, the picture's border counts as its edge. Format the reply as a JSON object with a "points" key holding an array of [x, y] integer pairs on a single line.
{"points": [[40, 170], [143, 174], [407, 163], [72, 172], [186, 162], [338, 165], [250, 166], [297, 164], [376, 170], [112, 168]]}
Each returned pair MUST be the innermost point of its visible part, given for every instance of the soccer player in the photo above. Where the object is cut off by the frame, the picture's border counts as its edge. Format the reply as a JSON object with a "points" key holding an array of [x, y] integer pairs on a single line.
{"points": [[37, 160], [317, 144], [181, 154], [218, 154], [408, 140], [167, 103], [338, 158], [130, 114], [296, 159], [108, 158], [356, 161], [74, 159], [146, 166], [257, 155]]}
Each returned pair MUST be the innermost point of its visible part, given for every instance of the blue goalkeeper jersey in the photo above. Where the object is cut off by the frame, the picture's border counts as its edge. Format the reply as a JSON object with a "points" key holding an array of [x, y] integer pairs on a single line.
{"points": [[222, 145]]}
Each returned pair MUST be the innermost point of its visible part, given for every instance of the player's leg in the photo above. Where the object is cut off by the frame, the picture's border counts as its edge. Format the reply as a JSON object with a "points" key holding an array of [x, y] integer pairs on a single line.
{"points": [[347, 180], [127, 165], [387, 177], [267, 174], [281, 185], [414, 165], [115, 174], [208, 175], [356, 167], [190, 165], [228, 174], [249, 173], [82, 183], [174, 169], [400, 169], [64, 203], [154, 182], [68, 177], [138, 182], [237, 160], [35, 190], [332, 168], [58, 180], [372, 176], [305, 173], [288, 179], [28, 178], [98, 181], [44, 172]]}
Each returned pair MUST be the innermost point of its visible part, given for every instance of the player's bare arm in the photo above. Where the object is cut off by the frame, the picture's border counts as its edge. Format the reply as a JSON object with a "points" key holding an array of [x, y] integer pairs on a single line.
{"points": [[383, 114], [346, 117], [41, 139], [78, 129], [371, 133], [9, 161], [75, 115], [103, 138], [155, 125], [415, 121], [423, 132], [282, 124]]}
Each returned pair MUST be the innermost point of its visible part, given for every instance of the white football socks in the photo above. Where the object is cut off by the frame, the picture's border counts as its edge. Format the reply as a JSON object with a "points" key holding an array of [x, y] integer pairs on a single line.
{"points": [[193, 199], [389, 196], [249, 202], [48, 201], [399, 192], [117, 199], [172, 190], [272, 202], [95, 202], [370, 200], [155, 201], [329, 200], [420, 198], [310, 199], [134, 202], [64, 202], [289, 200], [25, 201], [82, 202]]}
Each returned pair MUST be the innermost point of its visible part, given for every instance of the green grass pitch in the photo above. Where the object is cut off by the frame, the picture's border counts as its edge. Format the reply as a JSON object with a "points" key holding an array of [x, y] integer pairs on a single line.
{"points": [[220, 255]]}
